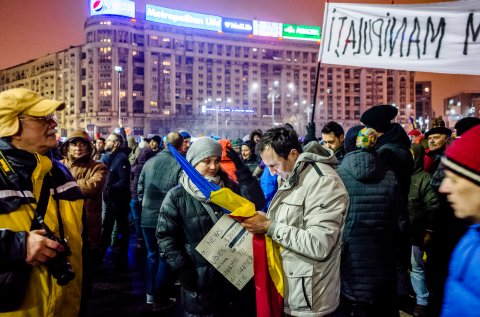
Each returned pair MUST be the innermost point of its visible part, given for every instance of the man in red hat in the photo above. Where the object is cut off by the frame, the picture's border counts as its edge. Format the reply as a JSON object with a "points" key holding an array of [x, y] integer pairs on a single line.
{"points": [[462, 187]]}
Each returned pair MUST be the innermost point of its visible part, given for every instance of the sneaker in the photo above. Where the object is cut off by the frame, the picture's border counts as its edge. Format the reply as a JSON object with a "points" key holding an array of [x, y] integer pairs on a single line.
{"points": [[420, 311], [163, 305], [150, 299]]}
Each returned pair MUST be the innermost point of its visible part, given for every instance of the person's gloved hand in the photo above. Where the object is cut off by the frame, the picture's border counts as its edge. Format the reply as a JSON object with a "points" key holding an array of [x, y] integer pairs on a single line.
{"points": [[188, 278], [231, 154], [311, 129]]}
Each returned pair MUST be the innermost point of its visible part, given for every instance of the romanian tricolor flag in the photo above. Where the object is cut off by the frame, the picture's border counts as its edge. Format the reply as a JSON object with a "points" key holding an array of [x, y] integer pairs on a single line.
{"points": [[268, 276]]}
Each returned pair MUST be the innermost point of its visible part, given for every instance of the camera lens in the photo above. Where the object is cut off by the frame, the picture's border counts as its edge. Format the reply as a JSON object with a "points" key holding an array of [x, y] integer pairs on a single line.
{"points": [[66, 277], [61, 270]]}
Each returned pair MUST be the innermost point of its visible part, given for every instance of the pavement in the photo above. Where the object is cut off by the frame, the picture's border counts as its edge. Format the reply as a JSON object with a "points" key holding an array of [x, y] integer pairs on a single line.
{"points": [[120, 290]]}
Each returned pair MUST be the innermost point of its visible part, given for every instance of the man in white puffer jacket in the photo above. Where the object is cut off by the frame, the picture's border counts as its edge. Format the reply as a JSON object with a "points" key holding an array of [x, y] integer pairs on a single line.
{"points": [[306, 218]]}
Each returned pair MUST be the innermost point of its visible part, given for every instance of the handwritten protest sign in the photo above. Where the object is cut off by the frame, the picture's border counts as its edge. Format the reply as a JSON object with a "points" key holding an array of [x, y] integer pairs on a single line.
{"points": [[228, 247], [437, 37]]}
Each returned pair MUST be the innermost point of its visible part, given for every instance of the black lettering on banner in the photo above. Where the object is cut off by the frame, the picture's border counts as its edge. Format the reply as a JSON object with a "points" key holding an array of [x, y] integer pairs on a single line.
{"points": [[440, 32], [331, 28], [402, 29], [469, 28], [341, 30], [378, 33], [385, 37], [359, 38], [416, 29], [369, 36], [349, 41]]}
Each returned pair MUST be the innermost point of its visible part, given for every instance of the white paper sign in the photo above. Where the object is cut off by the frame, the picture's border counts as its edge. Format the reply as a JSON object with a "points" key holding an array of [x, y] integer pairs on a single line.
{"points": [[228, 247]]}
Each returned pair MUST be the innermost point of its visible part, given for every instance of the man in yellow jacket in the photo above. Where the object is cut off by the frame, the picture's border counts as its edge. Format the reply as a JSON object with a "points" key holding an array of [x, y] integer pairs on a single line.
{"points": [[41, 210]]}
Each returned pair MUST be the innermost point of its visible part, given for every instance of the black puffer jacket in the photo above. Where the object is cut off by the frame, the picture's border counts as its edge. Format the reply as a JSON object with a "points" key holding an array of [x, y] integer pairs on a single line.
{"points": [[182, 224], [394, 150], [372, 229]]}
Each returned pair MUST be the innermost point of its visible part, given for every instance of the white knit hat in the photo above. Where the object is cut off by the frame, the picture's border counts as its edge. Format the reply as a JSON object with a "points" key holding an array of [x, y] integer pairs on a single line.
{"points": [[202, 148]]}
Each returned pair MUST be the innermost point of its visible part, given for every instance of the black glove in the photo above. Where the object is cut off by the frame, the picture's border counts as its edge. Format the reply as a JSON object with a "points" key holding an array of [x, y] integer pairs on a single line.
{"points": [[188, 278], [310, 133], [235, 158]]}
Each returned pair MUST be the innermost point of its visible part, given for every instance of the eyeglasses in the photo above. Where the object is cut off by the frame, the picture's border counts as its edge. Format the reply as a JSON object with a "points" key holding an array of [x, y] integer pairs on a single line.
{"points": [[46, 119]]}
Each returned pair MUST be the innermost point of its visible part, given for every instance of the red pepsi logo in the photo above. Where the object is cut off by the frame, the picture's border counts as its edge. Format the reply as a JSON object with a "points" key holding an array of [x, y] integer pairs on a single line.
{"points": [[97, 5]]}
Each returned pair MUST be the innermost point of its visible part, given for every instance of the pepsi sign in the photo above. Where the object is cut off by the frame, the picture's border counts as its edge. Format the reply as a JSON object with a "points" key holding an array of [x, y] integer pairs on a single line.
{"points": [[115, 7], [237, 26]]}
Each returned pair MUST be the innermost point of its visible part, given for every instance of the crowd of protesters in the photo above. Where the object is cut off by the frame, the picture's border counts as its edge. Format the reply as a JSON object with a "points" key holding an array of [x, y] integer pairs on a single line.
{"points": [[361, 219]]}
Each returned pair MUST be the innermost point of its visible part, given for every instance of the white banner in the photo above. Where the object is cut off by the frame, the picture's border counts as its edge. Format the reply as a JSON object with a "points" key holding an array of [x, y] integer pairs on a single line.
{"points": [[228, 247], [436, 37]]}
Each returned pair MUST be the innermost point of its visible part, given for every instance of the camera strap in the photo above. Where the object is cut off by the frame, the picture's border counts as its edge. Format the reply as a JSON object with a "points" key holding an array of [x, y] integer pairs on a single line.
{"points": [[41, 209], [42, 203]]}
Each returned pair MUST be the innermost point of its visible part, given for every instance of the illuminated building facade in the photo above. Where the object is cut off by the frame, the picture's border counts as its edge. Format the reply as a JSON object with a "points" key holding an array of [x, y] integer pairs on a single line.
{"points": [[465, 104], [171, 70]]}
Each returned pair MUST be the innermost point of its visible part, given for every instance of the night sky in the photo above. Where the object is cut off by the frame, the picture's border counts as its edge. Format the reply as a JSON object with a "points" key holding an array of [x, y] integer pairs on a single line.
{"points": [[31, 28]]}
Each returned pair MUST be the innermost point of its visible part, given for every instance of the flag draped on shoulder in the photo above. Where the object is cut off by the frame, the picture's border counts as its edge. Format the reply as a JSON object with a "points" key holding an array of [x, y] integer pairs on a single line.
{"points": [[269, 284]]}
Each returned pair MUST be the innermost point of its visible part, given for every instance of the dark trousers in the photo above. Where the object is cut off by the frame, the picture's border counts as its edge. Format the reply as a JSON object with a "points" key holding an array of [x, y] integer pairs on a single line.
{"points": [[115, 212], [136, 208], [384, 308], [158, 275]]}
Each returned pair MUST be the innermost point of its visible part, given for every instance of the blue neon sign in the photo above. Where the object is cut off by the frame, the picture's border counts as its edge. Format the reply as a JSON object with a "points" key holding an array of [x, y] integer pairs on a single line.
{"points": [[237, 26], [183, 18], [115, 7]]}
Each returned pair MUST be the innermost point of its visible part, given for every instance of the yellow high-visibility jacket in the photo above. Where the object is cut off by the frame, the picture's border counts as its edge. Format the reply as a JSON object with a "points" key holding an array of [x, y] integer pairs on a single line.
{"points": [[43, 297]]}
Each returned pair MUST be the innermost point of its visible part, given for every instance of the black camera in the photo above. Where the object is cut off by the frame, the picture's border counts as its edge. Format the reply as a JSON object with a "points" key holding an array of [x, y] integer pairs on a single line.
{"points": [[59, 267]]}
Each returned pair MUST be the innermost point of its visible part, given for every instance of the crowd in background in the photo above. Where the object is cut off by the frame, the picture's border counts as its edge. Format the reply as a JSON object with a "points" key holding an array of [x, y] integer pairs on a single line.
{"points": [[361, 218]]}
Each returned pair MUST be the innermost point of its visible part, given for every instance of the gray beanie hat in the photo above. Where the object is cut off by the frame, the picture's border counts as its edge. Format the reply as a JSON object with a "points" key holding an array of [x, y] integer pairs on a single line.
{"points": [[202, 148]]}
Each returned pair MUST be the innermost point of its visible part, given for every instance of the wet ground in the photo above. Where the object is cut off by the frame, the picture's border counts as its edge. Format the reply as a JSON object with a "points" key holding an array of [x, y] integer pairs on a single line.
{"points": [[120, 291]]}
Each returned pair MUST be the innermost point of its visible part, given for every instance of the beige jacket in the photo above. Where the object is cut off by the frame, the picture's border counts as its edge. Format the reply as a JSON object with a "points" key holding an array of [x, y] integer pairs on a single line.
{"points": [[308, 213]]}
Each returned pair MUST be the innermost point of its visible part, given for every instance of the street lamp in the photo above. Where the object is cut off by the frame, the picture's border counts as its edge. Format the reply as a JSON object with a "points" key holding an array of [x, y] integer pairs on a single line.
{"points": [[119, 70], [291, 86], [217, 110], [273, 95], [229, 102]]}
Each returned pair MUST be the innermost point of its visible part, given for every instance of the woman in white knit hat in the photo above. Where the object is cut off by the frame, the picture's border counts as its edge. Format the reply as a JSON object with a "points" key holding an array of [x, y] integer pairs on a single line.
{"points": [[186, 216]]}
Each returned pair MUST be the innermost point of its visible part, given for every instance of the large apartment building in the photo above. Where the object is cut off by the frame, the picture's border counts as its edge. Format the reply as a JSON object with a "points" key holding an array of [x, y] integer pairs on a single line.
{"points": [[166, 77]]}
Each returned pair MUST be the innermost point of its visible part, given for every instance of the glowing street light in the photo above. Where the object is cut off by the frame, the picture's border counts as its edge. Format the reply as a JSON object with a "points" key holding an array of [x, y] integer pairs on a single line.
{"points": [[273, 95], [119, 70], [217, 110]]}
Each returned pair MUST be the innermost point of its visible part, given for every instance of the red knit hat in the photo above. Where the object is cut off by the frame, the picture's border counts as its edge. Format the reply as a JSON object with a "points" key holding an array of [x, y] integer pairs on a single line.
{"points": [[414, 132], [463, 156]]}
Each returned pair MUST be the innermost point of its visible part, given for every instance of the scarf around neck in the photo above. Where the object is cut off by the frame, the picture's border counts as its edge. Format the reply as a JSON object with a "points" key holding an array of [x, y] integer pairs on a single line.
{"points": [[193, 190]]}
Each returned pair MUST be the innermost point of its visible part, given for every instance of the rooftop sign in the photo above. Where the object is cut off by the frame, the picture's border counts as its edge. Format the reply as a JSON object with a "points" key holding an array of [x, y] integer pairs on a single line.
{"points": [[237, 26], [183, 18], [115, 7], [302, 32]]}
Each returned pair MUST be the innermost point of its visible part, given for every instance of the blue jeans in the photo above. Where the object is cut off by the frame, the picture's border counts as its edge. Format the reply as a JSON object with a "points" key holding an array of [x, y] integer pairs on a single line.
{"points": [[417, 276], [136, 208], [158, 280]]}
